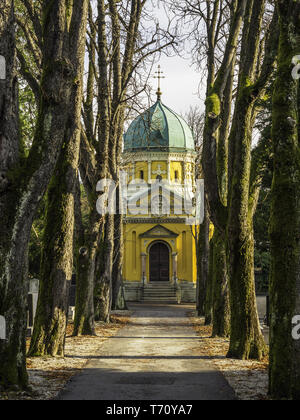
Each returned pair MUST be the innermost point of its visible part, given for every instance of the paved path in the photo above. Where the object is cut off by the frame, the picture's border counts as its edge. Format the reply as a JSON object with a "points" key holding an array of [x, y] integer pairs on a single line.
{"points": [[153, 358]]}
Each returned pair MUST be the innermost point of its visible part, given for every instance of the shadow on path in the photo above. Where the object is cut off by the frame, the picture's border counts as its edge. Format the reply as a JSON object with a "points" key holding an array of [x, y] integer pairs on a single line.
{"points": [[155, 357]]}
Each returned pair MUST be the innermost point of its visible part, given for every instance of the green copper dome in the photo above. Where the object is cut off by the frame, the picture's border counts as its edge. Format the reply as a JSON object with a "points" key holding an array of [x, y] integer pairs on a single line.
{"points": [[159, 129]]}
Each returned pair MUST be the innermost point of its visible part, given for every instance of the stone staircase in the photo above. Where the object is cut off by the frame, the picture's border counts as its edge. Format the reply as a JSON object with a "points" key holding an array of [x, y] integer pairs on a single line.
{"points": [[160, 292]]}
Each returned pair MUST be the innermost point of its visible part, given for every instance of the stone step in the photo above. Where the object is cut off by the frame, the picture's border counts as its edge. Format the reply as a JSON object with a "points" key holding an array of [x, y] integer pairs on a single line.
{"points": [[159, 297], [159, 287], [160, 291], [160, 300], [157, 292], [159, 284], [166, 295]]}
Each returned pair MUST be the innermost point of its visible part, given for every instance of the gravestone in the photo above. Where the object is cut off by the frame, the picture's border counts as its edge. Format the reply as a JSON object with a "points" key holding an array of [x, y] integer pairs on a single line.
{"points": [[2, 328], [261, 300], [71, 313], [2, 68], [32, 301], [72, 298]]}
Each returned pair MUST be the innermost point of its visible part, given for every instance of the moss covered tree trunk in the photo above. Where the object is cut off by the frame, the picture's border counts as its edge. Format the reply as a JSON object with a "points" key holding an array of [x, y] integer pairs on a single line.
{"points": [[221, 302], [31, 181], [202, 263], [118, 299], [246, 340], [57, 256], [84, 323], [103, 295], [285, 216], [221, 305], [12, 290], [210, 286], [235, 220]]}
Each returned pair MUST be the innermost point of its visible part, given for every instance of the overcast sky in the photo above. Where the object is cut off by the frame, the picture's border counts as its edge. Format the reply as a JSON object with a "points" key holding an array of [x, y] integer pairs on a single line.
{"points": [[181, 86]]}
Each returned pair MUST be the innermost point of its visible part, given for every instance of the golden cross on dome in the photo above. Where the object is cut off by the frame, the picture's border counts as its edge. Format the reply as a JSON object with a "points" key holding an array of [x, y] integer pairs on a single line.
{"points": [[159, 76]]}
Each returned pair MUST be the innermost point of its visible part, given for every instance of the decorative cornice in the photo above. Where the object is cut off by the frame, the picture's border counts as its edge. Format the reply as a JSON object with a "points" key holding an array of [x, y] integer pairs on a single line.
{"points": [[152, 156], [150, 221], [159, 231]]}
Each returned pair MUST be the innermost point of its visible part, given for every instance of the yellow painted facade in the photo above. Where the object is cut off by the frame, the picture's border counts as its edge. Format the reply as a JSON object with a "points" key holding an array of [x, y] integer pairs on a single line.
{"points": [[142, 232], [136, 248]]}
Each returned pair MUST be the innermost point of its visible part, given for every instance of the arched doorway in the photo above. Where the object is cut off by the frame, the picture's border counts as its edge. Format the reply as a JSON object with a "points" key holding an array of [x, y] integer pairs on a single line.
{"points": [[159, 262]]}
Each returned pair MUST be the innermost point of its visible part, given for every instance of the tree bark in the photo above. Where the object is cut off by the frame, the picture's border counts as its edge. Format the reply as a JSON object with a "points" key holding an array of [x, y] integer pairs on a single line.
{"points": [[221, 303], [202, 263], [84, 323], [285, 214], [104, 285], [246, 339], [58, 247], [118, 300], [210, 286], [235, 220], [12, 291], [31, 181]]}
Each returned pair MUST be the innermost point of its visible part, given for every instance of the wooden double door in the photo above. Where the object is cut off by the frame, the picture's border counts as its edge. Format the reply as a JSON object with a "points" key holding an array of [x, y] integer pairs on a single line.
{"points": [[159, 262]]}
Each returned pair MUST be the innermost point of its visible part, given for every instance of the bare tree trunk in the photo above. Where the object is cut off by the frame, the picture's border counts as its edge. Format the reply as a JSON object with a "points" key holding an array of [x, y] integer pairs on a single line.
{"points": [[285, 216], [57, 257]]}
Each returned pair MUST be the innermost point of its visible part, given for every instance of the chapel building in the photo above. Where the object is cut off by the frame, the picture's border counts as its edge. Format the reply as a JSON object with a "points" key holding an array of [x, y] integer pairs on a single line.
{"points": [[160, 251]]}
